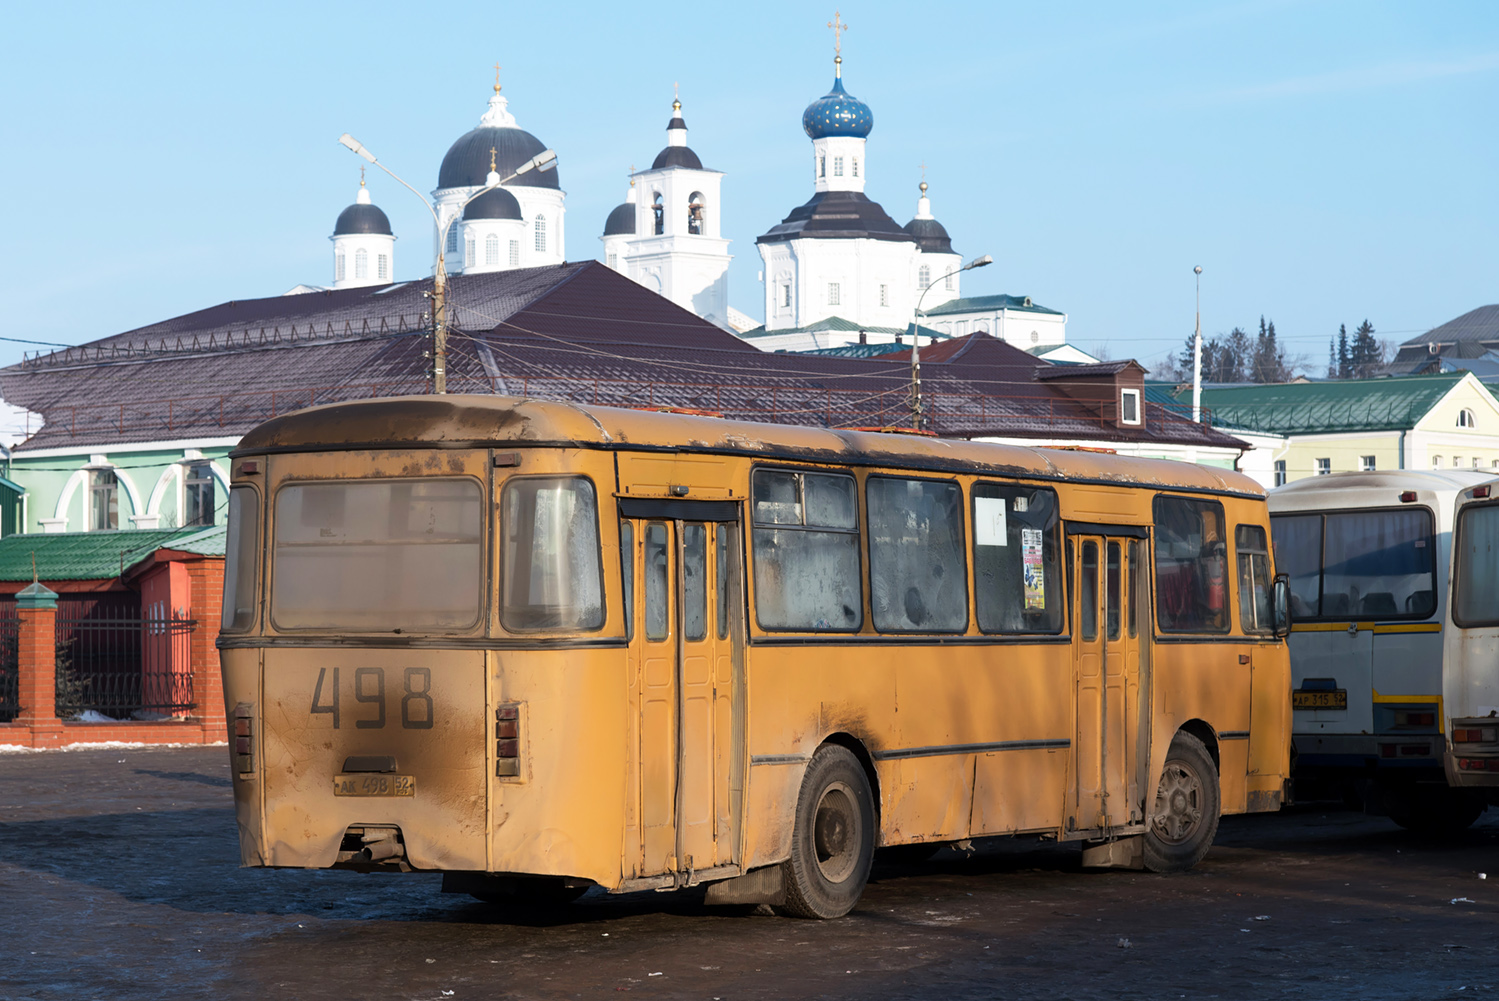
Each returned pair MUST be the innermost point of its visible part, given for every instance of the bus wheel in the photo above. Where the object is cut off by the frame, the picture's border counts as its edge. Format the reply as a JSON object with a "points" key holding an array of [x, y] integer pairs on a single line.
{"points": [[1185, 817], [1435, 812], [832, 844]]}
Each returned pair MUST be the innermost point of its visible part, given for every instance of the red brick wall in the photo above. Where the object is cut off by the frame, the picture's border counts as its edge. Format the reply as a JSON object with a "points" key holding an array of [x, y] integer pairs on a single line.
{"points": [[206, 601]]}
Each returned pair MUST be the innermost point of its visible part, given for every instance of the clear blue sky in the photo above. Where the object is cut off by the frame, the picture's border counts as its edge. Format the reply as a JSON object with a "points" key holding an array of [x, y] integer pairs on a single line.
{"points": [[1323, 162]]}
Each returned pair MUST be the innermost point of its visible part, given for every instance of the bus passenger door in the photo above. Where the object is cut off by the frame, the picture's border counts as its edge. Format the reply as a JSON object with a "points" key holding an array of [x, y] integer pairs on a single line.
{"points": [[1106, 674]]}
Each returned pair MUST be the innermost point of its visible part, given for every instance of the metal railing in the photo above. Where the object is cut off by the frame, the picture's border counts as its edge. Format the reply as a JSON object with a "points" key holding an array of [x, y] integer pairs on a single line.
{"points": [[114, 661]]}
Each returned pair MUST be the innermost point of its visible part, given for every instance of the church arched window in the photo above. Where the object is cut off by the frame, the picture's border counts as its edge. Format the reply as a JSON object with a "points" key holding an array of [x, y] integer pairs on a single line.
{"points": [[361, 264], [492, 251], [515, 253], [660, 212], [697, 217], [382, 267], [541, 234], [469, 250], [453, 237], [923, 277], [338, 267], [822, 166]]}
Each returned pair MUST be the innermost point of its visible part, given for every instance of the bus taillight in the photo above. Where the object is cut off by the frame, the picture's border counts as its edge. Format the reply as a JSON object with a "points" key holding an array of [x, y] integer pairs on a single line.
{"points": [[1475, 735], [244, 741], [507, 740]]}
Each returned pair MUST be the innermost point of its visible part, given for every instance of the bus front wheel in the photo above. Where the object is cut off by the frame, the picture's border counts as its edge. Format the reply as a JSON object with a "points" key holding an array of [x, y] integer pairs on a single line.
{"points": [[832, 843], [1184, 820]]}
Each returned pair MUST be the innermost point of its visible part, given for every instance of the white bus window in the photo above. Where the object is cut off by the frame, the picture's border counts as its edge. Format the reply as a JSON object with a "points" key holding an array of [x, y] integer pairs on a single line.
{"points": [[1254, 578], [1298, 553], [807, 564], [242, 548], [1191, 566], [1378, 564], [1016, 569], [553, 571], [1475, 599], [918, 581], [377, 555]]}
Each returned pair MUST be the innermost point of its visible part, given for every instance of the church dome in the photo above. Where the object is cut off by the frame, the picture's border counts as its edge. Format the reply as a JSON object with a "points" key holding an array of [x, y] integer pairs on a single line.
{"points": [[837, 113], [930, 235], [677, 156], [496, 203], [621, 221], [362, 218], [467, 161]]}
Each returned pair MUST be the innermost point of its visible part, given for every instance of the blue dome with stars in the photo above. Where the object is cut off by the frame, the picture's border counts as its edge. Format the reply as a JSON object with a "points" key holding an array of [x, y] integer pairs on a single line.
{"points": [[837, 113]]}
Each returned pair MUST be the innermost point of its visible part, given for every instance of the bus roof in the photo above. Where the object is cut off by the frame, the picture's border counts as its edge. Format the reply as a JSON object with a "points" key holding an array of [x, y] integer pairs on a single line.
{"points": [[1373, 489], [477, 421]]}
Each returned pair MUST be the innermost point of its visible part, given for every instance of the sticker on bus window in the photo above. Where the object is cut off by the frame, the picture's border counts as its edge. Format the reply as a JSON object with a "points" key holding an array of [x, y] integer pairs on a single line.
{"points": [[1035, 575], [989, 521]]}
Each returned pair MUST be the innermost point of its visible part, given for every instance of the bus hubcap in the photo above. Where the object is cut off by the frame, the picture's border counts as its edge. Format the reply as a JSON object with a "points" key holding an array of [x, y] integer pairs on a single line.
{"points": [[835, 833], [1177, 803]]}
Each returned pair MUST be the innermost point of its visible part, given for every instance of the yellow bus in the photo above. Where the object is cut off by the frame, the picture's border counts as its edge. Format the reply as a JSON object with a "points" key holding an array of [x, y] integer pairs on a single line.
{"points": [[542, 647]]}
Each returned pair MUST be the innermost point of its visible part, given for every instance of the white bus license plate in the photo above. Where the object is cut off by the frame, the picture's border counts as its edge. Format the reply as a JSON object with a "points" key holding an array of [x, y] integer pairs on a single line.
{"points": [[1337, 699], [374, 785]]}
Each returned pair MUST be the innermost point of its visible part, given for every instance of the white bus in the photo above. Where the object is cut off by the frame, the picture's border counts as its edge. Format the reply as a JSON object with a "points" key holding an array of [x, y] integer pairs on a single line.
{"points": [[1368, 557], [1470, 683]]}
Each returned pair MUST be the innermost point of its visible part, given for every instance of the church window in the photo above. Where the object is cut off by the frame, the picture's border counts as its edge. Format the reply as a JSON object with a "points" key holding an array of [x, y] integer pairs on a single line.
{"points": [[197, 495], [884, 295], [660, 212], [612, 260], [453, 237], [361, 264], [469, 251], [338, 267], [541, 234], [837, 166], [822, 166], [923, 277], [950, 280], [835, 293], [382, 267], [491, 251], [696, 213], [104, 490], [515, 253], [786, 295], [856, 166]]}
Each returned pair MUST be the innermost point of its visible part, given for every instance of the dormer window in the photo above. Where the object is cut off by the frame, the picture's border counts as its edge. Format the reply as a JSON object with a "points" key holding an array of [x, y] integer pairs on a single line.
{"points": [[1465, 418], [1129, 406]]}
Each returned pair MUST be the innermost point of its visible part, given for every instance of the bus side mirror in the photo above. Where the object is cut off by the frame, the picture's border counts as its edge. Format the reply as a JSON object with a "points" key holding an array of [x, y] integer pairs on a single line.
{"points": [[1282, 612]]}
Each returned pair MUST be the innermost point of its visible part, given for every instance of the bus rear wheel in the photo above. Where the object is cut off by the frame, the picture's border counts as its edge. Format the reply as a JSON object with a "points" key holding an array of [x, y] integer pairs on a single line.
{"points": [[832, 843], [1184, 819], [1435, 811]]}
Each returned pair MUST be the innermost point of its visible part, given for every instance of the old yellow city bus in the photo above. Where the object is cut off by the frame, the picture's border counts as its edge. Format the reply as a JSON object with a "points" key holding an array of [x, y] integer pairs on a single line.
{"points": [[541, 647]]}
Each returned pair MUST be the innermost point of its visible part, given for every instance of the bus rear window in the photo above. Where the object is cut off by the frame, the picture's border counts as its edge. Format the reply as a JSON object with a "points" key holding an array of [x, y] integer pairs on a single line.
{"points": [[241, 551], [553, 571], [377, 555], [1475, 599]]}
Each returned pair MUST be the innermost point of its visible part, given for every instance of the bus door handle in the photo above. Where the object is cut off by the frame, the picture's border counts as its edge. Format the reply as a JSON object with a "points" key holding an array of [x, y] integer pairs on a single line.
{"points": [[1243, 658], [1353, 629]]}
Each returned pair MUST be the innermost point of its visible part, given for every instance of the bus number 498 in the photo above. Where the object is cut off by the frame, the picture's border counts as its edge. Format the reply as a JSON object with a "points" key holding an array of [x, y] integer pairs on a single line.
{"points": [[369, 689]]}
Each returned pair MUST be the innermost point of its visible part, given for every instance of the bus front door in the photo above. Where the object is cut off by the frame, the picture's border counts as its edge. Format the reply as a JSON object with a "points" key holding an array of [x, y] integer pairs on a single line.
{"points": [[1106, 672], [688, 652]]}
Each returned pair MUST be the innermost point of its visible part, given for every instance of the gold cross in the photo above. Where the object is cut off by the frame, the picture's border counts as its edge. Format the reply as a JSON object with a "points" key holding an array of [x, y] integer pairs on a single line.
{"points": [[496, 78], [676, 91], [632, 175], [361, 175], [491, 159], [838, 29]]}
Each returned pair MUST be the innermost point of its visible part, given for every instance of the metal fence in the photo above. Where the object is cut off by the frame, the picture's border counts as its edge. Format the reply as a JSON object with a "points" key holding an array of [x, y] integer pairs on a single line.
{"points": [[10, 678], [114, 661]]}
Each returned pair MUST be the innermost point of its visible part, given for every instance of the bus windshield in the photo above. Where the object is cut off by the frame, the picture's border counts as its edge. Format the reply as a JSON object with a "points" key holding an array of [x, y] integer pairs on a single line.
{"points": [[1475, 600]]}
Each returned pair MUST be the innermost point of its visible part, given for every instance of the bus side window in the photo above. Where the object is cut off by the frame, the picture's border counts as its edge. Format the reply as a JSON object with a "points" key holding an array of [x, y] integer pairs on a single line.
{"points": [[694, 582], [1087, 607], [1254, 578], [1191, 565], [627, 575], [721, 564], [918, 578], [806, 551], [1136, 596], [1116, 584], [1017, 571], [655, 581]]}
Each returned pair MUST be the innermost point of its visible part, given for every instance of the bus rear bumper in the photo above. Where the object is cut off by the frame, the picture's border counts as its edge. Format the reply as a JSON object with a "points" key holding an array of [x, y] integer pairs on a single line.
{"points": [[1472, 760]]}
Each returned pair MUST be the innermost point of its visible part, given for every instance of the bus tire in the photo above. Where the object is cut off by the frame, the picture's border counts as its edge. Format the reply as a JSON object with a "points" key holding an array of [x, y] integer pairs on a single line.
{"points": [[1184, 819], [1435, 812], [832, 842]]}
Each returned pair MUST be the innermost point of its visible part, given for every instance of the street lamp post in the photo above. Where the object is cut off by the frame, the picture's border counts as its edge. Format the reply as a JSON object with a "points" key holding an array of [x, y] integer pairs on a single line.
{"points": [[915, 403], [545, 160], [1197, 353]]}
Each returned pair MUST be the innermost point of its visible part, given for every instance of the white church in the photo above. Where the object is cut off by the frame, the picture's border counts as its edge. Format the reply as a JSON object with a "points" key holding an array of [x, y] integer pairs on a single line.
{"points": [[838, 270]]}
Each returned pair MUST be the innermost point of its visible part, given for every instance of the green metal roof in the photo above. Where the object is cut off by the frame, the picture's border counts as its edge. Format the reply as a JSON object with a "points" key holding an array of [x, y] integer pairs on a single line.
{"points": [[206, 542], [1389, 404], [93, 555], [983, 303], [838, 323]]}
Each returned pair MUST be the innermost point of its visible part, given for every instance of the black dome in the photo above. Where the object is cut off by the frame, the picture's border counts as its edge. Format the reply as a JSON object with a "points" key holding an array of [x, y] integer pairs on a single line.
{"points": [[361, 219], [496, 203], [930, 235], [467, 161], [677, 156], [837, 215], [621, 221]]}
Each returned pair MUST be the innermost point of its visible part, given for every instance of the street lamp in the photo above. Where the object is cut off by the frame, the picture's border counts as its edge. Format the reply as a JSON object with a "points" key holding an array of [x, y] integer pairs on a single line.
{"points": [[545, 160], [915, 403], [1197, 353]]}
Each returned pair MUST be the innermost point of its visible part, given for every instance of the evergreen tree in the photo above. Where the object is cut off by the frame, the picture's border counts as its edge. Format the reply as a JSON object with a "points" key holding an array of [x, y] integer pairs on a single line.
{"points": [[1366, 354], [1345, 360], [1269, 357], [1238, 349], [1332, 357]]}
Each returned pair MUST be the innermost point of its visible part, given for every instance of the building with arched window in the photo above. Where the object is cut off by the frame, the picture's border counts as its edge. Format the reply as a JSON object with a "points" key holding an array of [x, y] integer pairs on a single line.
{"points": [[670, 240], [363, 246]]}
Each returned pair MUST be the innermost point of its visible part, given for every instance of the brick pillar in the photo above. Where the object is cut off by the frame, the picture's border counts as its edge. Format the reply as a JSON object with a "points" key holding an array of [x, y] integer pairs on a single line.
{"points": [[206, 583], [36, 612]]}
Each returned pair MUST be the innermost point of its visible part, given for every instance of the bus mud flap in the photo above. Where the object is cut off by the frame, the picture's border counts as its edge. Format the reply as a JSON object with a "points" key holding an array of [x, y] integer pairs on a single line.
{"points": [[763, 886], [1121, 853]]}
